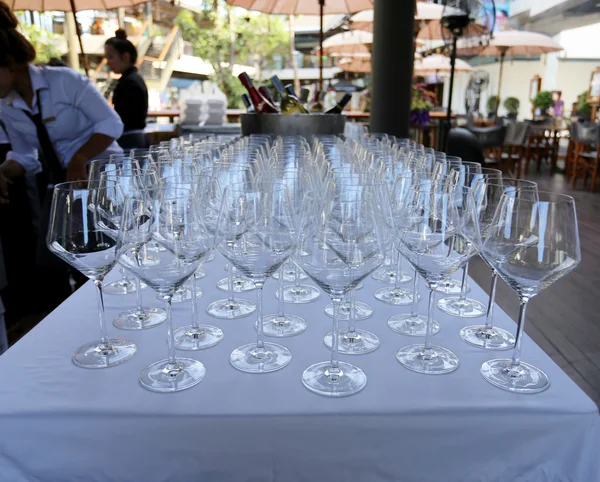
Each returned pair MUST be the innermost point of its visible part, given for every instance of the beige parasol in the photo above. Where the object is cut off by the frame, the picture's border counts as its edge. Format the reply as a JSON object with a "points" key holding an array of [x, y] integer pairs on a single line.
{"points": [[436, 64], [306, 7], [359, 63], [425, 12], [348, 43], [72, 6], [512, 42]]}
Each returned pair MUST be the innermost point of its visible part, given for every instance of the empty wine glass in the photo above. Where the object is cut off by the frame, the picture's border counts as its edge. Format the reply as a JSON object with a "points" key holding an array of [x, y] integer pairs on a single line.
{"points": [[488, 195], [172, 218], [431, 237], [258, 231], [531, 243], [81, 233], [341, 244]]}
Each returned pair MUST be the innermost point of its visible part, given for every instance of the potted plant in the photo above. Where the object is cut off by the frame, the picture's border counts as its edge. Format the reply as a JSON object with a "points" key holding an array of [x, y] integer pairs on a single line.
{"points": [[584, 110], [491, 105], [543, 101], [421, 103], [512, 104]]}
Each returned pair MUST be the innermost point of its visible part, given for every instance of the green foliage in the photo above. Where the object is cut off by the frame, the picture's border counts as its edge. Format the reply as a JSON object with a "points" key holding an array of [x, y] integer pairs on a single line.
{"points": [[512, 104], [543, 100], [492, 103], [224, 36], [583, 108], [44, 42], [421, 99]]}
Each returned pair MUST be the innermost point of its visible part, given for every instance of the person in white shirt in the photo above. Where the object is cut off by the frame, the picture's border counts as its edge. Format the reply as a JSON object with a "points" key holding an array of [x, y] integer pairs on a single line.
{"points": [[52, 110]]}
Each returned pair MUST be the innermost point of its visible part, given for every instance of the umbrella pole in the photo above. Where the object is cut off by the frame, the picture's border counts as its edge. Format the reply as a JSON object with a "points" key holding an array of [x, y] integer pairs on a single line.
{"points": [[448, 122], [78, 28], [321, 35], [502, 54]]}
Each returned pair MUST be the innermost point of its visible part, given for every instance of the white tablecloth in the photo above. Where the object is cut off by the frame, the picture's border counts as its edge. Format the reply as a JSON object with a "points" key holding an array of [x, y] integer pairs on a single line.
{"points": [[59, 422]]}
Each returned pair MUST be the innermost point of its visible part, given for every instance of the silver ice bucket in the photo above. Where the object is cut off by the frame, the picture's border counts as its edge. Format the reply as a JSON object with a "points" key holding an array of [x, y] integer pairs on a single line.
{"points": [[293, 124]]}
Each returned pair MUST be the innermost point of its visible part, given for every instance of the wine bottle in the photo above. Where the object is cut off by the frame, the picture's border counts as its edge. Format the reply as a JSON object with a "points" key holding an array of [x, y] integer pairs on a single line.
{"points": [[304, 93], [261, 105], [317, 104], [264, 91], [339, 107], [247, 103], [289, 103]]}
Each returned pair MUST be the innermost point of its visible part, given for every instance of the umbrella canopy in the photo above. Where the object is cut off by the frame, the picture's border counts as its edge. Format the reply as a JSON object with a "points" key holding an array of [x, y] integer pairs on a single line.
{"points": [[512, 42], [434, 30], [353, 42], [361, 63], [65, 5], [425, 12], [303, 7], [435, 64]]}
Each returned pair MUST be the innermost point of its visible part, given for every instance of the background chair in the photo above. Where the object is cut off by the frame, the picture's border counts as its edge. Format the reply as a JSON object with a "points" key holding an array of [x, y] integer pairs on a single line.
{"points": [[514, 147], [587, 154]]}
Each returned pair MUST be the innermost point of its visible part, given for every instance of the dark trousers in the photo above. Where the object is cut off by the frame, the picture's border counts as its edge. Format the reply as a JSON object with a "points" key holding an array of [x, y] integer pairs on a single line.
{"points": [[134, 141]]}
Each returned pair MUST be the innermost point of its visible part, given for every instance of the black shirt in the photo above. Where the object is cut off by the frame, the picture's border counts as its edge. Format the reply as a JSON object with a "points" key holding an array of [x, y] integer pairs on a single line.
{"points": [[130, 99]]}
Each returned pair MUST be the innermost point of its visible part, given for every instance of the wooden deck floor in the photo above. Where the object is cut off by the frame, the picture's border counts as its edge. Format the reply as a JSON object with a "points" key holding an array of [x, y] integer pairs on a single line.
{"points": [[564, 320]]}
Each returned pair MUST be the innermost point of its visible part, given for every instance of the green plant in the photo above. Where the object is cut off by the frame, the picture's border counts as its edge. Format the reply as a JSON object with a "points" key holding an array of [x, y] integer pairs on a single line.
{"points": [[583, 108], [543, 100], [43, 41], [512, 104], [492, 103]]}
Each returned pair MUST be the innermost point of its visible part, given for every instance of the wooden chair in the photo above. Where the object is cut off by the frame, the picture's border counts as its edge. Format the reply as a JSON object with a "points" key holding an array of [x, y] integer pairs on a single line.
{"points": [[537, 148], [571, 151], [586, 158], [514, 147]]}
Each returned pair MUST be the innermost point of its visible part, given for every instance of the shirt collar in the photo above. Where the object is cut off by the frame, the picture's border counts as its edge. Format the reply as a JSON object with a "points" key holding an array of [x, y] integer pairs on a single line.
{"points": [[38, 82], [129, 71]]}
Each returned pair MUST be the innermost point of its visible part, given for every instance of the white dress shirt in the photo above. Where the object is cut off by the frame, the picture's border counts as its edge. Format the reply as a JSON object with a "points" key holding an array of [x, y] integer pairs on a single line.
{"points": [[72, 110]]}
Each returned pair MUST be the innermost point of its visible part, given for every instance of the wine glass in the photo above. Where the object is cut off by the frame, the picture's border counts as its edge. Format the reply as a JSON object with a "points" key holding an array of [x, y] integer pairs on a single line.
{"points": [[116, 165], [488, 196], [172, 217], [341, 243], [81, 234], [258, 231], [531, 243], [432, 238]]}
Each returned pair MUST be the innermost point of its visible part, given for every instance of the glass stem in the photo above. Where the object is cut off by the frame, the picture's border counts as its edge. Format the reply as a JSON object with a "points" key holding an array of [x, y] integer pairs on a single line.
{"points": [[489, 319], [429, 327], [260, 337], [101, 316], [138, 295], [352, 314], [398, 273], [415, 303], [281, 302], [123, 275], [335, 338], [194, 306], [170, 337], [297, 276], [516, 357], [463, 285], [230, 283]]}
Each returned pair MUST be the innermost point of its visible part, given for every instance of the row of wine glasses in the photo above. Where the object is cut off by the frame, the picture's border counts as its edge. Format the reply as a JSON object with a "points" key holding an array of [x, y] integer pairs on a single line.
{"points": [[339, 210]]}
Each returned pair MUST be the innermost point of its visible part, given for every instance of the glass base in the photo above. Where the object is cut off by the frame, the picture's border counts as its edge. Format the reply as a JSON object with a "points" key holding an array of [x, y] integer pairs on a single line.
{"points": [[436, 360], [183, 295], [119, 287], [359, 342], [466, 308], [230, 310], [289, 275], [387, 274], [299, 294], [252, 359], [409, 325], [191, 338], [199, 274], [239, 285], [163, 376], [523, 378], [451, 287], [322, 379], [211, 257], [395, 296], [99, 355], [283, 326], [140, 320], [363, 311], [359, 286], [489, 338]]}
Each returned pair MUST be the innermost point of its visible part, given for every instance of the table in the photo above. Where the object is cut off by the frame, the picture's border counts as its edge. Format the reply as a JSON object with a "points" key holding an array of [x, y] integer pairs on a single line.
{"points": [[61, 422], [171, 114]]}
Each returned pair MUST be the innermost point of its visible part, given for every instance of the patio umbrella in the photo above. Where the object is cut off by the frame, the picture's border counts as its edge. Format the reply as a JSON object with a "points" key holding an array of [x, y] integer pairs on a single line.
{"points": [[359, 63], [513, 42], [306, 7], [425, 12], [72, 6], [435, 64], [349, 43]]}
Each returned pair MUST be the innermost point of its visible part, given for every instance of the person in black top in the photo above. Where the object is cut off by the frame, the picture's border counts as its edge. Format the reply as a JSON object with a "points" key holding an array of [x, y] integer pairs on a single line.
{"points": [[130, 97]]}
